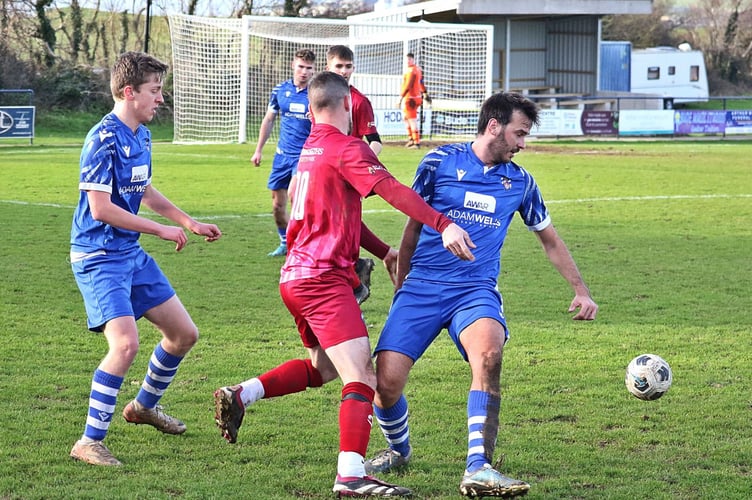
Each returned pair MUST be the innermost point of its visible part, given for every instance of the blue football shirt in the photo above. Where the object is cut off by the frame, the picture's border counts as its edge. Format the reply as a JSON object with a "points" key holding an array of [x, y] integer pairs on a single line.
{"points": [[116, 161], [483, 201], [291, 104]]}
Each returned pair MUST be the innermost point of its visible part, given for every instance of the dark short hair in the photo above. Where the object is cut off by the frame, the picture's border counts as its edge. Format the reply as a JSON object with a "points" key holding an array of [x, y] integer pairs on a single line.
{"points": [[134, 69], [341, 52], [410, 54], [327, 89], [502, 105], [306, 54]]}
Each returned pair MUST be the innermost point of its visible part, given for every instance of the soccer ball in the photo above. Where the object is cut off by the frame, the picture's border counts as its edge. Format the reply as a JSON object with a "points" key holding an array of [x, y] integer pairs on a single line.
{"points": [[648, 377]]}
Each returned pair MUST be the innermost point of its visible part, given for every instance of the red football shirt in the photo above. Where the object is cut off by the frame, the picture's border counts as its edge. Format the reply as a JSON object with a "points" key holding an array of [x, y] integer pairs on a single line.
{"points": [[363, 119], [335, 172]]}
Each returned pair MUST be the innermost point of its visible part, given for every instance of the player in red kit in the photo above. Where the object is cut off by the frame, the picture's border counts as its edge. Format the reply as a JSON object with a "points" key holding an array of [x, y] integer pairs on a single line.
{"points": [[335, 172], [340, 60]]}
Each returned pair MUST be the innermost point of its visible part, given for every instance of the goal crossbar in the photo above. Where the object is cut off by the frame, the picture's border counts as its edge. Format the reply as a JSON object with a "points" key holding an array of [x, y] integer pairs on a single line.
{"points": [[224, 70]]}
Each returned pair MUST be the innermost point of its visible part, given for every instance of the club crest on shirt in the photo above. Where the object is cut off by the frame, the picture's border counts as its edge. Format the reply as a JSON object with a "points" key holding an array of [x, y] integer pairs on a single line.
{"points": [[103, 134], [507, 183]]}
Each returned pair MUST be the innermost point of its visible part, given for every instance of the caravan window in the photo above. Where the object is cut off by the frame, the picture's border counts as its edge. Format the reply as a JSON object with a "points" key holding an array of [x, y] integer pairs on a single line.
{"points": [[654, 73], [694, 73], [672, 70]]}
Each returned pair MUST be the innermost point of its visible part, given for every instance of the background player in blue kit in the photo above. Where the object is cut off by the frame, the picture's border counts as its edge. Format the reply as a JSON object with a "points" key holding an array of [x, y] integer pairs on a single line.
{"points": [[289, 100], [120, 282], [477, 186]]}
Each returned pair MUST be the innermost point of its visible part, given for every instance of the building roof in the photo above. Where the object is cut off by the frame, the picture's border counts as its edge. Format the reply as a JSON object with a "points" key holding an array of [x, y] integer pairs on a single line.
{"points": [[473, 8]]}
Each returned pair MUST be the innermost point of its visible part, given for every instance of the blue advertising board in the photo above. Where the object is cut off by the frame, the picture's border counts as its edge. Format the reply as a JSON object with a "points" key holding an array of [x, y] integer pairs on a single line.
{"points": [[17, 122], [739, 121], [695, 121]]}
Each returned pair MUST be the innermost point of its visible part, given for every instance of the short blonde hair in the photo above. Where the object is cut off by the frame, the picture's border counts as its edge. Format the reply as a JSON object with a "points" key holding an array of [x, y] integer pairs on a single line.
{"points": [[134, 69]]}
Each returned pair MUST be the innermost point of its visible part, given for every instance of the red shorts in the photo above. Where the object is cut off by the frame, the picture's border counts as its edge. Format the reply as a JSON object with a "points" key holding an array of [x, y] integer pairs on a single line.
{"points": [[324, 308], [410, 107]]}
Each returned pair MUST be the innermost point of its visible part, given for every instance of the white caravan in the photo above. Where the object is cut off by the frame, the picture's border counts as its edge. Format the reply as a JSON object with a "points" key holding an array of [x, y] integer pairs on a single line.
{"points": [[669, 72]]}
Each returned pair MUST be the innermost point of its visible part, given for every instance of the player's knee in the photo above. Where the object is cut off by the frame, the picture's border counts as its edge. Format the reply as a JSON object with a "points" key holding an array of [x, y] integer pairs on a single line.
{"points": [[183, 341], [189, 337], [278, 207], [388, 392], [489, 362], [126, 349]]}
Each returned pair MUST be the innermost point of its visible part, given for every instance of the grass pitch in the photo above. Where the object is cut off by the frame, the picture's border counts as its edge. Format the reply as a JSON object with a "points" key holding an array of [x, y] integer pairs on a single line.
{"points": [[661, 231]]}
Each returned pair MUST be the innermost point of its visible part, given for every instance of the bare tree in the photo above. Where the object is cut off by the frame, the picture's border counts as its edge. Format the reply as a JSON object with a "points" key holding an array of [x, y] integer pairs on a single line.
{"points": [[292, 7], [722, 29], [643, 30]]}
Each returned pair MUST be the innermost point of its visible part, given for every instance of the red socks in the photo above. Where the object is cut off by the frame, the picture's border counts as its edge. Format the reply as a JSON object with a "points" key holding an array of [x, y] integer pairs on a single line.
{"points": [[293, 376], [355, 418]]}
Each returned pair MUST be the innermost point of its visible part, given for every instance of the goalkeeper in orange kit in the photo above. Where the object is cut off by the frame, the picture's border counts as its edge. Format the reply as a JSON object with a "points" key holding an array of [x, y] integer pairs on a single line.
{"points": [[411, 97]]}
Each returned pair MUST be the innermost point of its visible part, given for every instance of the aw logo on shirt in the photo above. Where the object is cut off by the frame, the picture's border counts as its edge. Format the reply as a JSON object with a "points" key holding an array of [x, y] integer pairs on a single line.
{"points": [[140, 173], [297, 107], [482, 202]]}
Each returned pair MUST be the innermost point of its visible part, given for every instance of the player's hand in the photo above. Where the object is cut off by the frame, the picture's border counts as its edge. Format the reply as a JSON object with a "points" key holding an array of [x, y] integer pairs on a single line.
{"points": [[427, 98], [176, 234], [256, 159], [210, 231], [390, 263], [458, 242], [588, 308]]}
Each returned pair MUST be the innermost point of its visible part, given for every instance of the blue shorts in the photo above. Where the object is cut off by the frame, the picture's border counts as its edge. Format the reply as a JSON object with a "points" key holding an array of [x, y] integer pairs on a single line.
{"points": [[122, 284], [421, 309], [283, 168]]}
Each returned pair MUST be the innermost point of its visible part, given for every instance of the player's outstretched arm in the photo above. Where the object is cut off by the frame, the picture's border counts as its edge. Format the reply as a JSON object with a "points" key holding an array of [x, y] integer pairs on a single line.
{"points": [[456, 240], [103, 210], [390, 263], [379, 248], [410, 236], [159, 203], [264, 132], [558, 253]]}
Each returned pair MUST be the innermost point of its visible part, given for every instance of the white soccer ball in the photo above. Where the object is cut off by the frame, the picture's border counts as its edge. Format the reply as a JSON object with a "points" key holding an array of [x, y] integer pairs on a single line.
{"points": [[648, 377]]}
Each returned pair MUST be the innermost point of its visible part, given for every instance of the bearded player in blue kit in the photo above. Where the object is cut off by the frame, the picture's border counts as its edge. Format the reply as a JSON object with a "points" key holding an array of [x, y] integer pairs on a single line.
{"points": [[118, 280], [478, 187]]}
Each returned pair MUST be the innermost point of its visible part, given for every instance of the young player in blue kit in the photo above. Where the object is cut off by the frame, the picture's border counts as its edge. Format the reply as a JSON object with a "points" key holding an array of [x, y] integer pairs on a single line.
{"points": [[120, 282], [289, 100], [479, 187]]}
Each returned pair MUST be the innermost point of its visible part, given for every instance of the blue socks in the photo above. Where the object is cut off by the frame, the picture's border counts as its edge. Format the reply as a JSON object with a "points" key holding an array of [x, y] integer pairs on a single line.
{"points": [[162, 369], [393, 423], [102, 400], [482, 428]]}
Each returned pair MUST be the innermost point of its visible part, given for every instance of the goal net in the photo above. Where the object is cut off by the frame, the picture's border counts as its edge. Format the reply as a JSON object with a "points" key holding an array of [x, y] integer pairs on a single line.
{"points": [[224, 71]]}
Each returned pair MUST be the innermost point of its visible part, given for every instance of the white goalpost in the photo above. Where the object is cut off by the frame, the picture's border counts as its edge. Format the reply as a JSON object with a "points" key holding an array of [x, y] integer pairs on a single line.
{"points": [[224, 70]]}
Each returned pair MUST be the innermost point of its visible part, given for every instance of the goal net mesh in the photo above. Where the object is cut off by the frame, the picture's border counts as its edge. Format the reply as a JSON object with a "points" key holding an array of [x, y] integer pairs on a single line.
{"points": [[224, 70]]}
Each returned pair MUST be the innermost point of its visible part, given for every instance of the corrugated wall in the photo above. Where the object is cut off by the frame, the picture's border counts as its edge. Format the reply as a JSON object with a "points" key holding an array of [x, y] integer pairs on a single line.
{"points": [[572, 54], [527, 54]]}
